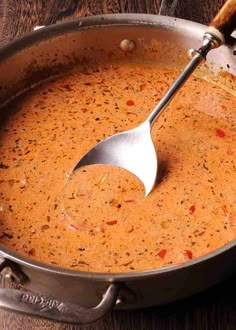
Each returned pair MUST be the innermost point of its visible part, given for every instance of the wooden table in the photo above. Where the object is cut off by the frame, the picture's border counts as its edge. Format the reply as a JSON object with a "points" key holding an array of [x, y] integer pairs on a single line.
{"points": [[214, 309]]}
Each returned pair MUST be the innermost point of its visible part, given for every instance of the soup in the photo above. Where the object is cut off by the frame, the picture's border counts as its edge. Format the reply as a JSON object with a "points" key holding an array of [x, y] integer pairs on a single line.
{"points": [[100, 220]]}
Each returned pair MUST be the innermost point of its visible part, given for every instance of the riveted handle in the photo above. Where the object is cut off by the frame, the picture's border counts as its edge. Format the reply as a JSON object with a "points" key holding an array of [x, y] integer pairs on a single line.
{"points": [[54, 309], [225, 20], [48, 307]]}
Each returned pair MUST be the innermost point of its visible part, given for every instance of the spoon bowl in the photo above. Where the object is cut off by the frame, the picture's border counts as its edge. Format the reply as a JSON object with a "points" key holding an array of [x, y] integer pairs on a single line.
{"points": [[132, 150]]}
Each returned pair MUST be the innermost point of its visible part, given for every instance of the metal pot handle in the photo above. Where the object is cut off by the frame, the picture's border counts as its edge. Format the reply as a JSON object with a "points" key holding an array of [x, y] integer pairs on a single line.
{"points": [[35, 304], [42, 306]]}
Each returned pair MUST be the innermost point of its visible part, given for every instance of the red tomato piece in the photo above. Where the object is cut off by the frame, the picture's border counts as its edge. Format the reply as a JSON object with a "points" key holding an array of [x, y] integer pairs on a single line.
{"points": [[188, 254], [162, 253], [220, 133], [192, 209], [112, 222], [130, 103]]}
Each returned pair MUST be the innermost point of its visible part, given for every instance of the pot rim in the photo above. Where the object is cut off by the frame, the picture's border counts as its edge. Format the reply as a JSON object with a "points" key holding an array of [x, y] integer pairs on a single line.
{"points": [[95, 21], [80, 24]]}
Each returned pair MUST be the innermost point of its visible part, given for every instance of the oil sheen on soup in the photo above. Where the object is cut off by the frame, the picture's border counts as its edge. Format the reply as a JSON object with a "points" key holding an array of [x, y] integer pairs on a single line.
{"points": [[100, 221]]}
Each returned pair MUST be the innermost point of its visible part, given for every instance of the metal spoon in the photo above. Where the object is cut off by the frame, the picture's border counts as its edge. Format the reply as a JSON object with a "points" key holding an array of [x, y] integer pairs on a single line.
{"points": [[133, 150]]}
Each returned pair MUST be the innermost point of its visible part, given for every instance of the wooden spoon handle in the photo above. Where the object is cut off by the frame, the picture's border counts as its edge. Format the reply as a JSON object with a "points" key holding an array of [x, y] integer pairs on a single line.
{"points": [[225, 20]]}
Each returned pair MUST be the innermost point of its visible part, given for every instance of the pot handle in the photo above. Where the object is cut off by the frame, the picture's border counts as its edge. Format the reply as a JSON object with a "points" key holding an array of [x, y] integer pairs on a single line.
{"points": [[50, 308], [224, 23]]}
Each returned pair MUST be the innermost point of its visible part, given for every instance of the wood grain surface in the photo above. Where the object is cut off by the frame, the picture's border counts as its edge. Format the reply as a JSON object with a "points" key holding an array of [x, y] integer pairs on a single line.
{"points": [[213, 309], [21, 16]]}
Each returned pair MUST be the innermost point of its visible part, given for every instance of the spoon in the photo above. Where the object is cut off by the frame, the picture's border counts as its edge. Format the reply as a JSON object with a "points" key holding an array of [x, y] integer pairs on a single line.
{"points": [[133, 150]]}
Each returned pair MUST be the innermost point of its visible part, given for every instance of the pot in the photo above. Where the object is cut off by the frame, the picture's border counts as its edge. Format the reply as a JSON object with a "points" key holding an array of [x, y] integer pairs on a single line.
{"points": [[82, 297]]}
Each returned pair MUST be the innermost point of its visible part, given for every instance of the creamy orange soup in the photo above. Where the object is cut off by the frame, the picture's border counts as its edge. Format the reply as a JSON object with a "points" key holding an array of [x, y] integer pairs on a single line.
{"points": [[101, 220]]}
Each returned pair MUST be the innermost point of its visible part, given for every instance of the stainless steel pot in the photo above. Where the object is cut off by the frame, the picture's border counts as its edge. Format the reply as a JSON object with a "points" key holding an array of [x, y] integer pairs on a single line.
{"points": [[67, 295]]}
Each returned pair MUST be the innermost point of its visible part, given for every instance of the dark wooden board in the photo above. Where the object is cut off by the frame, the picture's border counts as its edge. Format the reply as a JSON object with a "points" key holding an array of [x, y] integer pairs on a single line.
{"points": [[18, 17], [213, 309]]}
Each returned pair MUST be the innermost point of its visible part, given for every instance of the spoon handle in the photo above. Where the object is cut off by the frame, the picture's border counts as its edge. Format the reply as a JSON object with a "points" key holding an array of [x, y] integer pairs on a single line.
{"points": [[220, 28], [225, 20], [175, 87]]}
